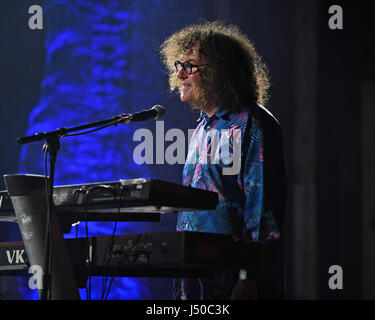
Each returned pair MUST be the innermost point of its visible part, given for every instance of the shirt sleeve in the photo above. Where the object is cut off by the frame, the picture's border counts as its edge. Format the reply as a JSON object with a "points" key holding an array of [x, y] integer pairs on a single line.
{"points": [[259, 224]]}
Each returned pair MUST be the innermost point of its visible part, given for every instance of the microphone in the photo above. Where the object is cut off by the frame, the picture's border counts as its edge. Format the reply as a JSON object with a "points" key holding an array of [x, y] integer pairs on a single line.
{"points": [[156, 112]]}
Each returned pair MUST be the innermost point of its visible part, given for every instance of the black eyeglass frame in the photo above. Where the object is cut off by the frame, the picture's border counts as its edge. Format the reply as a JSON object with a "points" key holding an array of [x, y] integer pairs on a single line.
{"points": [[187, 65]]}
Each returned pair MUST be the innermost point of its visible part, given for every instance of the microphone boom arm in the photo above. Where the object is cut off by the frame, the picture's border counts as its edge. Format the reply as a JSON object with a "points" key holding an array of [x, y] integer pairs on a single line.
{"points": [[61, 132]]}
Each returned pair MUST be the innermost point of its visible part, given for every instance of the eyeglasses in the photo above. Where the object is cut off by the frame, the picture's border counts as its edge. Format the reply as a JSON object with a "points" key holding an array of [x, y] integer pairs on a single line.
{"points": [[188, 67]]}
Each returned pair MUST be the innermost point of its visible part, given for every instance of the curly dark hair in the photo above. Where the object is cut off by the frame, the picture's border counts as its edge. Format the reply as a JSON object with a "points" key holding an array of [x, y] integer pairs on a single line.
{"points": [[235, 77]]}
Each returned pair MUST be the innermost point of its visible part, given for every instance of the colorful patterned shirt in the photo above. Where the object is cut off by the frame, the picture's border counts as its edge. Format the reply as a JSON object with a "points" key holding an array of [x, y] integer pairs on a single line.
{"points": [[226, 155]]}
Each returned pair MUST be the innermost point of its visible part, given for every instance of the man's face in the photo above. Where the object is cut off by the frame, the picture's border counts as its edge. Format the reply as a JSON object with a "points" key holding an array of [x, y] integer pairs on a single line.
{"points": [[190, 83]]}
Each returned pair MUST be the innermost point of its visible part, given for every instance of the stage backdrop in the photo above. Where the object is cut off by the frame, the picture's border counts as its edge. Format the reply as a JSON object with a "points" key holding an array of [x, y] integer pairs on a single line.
{"points": [[101, 61]]}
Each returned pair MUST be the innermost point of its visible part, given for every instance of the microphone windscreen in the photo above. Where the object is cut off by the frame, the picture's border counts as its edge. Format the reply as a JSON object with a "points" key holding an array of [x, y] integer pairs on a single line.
{"points": [[160, 111]]}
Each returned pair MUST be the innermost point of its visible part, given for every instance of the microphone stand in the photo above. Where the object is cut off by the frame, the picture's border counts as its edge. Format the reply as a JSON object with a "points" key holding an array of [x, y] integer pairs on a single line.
{"points": [[52, 146]]}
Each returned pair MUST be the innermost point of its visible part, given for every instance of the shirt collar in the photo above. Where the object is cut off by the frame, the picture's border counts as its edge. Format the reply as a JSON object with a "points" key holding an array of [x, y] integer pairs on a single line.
{"points": [[219, 113]]}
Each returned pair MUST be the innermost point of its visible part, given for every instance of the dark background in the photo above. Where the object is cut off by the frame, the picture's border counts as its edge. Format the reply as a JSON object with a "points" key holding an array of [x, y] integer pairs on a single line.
{"points": [[322, 93]]}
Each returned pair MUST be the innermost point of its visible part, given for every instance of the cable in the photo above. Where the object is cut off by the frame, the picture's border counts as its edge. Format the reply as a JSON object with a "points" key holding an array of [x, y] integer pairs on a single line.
{"points": [[105, 290], [47, 241], [109, 288], [86, 198], [88, 287]]}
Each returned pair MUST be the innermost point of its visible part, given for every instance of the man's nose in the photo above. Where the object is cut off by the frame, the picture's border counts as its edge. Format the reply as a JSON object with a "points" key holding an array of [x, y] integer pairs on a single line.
{"points": [[181, 74]]}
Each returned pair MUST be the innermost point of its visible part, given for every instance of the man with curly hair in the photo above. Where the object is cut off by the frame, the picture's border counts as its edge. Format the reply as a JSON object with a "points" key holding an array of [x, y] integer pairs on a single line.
{"points": [[215, 68]]}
